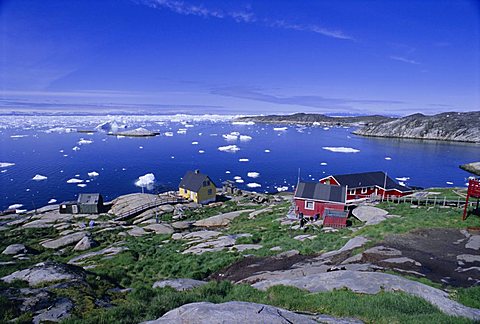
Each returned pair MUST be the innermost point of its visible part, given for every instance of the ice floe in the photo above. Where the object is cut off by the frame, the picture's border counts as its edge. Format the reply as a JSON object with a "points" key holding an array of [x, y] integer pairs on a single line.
{"points": [[403, 178], [52, 201], [243, 123], [449, 183], [239, 181], [169, 134], [6, 164], [201, 151], [182, 131], [230, 137], [388, 158], [39, 177], [280, 129], [18, 136], [146, 181], [83, 141], [253, 174], [243, 160], [15, 206], [227, 172], [253, 185], [76, 148], [81, 185], [245, 138], [237, 177], [194, 143], [74, 180], [281, 188], [267, 151], [93, 174], [229, 148], [340, 149], [323, 163]]}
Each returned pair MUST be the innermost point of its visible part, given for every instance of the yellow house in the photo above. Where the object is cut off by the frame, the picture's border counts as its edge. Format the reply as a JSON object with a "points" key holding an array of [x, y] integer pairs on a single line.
{"points": [[197, 187]]}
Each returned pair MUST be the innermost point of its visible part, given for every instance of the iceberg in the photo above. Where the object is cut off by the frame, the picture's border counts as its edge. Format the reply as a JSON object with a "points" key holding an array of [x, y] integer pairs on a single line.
{"points": [[18, 136], [93, 174], [74, 180], [281, 188], [253, 174], [83, 141], [81, 185], [341, 149], [109, 126], [227, 172], [39, 177], [388, 158], [182, 131], [243, 160], [52, 201], [323, 163], [194, 143], [237, 177], [267, 151], [15, 206], [449, 183], [76, 148], [146, 181], [280, 129], [169, 134], [253, 185], [403, 178], [239, 181], [245, 138], [201, 151], [6, 164], [229, 148], [243, 123], [230, 137]]}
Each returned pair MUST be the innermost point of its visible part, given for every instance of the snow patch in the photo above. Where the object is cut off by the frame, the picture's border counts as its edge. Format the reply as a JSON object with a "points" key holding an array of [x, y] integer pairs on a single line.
{"points": [[340, 149]]}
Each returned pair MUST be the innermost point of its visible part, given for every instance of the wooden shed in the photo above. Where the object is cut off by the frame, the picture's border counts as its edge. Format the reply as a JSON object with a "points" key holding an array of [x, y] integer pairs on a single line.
{"points": [[90, 203], [313, 198]]}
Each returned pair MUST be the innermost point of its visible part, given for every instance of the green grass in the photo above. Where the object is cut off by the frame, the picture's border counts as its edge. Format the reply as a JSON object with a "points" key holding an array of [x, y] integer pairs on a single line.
{"points": [[147, 304], [468, 296], [450, 193]]}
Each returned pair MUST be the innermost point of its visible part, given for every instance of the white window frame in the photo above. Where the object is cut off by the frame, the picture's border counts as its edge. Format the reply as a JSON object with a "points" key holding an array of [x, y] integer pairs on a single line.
{"points": [[306, 204], [351, 191], [364, 190]]}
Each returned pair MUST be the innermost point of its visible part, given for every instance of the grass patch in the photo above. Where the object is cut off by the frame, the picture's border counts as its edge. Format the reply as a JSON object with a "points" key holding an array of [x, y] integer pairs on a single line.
{"points": [[467, 296]]}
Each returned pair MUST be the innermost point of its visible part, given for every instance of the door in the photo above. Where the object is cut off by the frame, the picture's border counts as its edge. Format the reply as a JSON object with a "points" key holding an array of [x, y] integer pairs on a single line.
{"points": [[192, 195], [74, 209]]}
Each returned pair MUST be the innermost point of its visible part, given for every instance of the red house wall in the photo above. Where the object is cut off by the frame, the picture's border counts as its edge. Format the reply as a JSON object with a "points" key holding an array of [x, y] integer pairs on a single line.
{"points": [[319, 207]]}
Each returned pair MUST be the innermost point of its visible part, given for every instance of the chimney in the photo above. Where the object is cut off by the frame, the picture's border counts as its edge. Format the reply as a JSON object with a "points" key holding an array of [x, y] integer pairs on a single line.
{"points": [[197, 171]]}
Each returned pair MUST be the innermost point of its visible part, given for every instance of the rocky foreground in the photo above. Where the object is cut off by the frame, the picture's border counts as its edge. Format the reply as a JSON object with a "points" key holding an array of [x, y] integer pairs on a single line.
{"points": [[58, 266]]}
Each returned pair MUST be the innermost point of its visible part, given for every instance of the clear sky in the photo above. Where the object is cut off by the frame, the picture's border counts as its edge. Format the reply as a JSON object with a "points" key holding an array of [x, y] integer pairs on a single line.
{"points": [[251, 57]]}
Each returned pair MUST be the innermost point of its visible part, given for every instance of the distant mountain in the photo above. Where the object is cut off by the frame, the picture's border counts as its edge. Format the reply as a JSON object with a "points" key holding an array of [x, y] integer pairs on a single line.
{"points": [[451, 126], [308, 119]]}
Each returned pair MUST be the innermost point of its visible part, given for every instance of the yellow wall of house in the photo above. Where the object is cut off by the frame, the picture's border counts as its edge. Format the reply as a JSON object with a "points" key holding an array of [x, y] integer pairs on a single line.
{"points": [[201, 195]]}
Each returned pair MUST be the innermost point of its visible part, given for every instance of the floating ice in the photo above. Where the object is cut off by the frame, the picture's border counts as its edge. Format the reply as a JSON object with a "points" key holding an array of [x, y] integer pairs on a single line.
{"points": [[230, 137], [52, 201], [188, 125], [182, 131], [243, 123], [245, 138], [253, 174], [93, 174], [243, 160], [388, 158], [169, 134], [280, 129], [267, 151], [229, 148], [76, 148], [110, 126], [74, 180], [6, 164], [194, 143], [323, 163], [403, 179], [227, 172], [81, 185], [15, 206], [449, 183], [326, 128], [201, 151], [120, 136], [83, 141], [3, 171], [341, 149], [253, 185], [18, 136], [140, 147], [402, 183], [237, 177], [239, 181], [146, 181], [282, 188], [39, 177]]}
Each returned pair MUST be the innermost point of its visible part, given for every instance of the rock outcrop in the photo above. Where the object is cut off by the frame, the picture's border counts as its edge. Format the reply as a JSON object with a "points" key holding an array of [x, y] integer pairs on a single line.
{"points": [[15, 249], [220, 220], [473, 167], [181, 284], [46, 272], [64, 240]]}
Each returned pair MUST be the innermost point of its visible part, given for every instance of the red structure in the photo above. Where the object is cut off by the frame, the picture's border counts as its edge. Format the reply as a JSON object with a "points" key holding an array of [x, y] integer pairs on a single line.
{"points": [[366, 184], [334, 218], [312, 199], [472, 192]]}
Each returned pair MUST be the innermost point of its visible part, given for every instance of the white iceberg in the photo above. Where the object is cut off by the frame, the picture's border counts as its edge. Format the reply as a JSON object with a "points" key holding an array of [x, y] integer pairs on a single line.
{"points": [[83, 141], [267, 151], [74, 180], [182, 131], [230, 137], [403, 178], [243, 160], [245, 138], [15, 206], [110, 126], [18, 136], [146, 181], [93, 174], [323, 163], [229, 148], [194, 143], [52, 201], [388, 158], [81, 185], [227, 172], [237, 177], [449, 183], [253, 174], [239, 181], [253, 185], [281, 188], [201, 151], [243, 123], [6, 164], [341, 149], [169, 134], [280, 129], [76, 148], [39, 177]]}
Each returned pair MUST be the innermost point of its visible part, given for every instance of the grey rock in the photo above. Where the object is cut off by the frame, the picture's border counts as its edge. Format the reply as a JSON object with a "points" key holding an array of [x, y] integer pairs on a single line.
{"points": [[220, 220], [287, 254], [15, 249], [276, 248], [473, 242], [181, 225], [473, 167], [402, 260], [64, 241], [304, 237], [255, 213], [383, 251], [231, 312], [244, 247], [136, 231], [55, 313], [353, 243], [373, 283], [46, 272], [107, 252], [160, 228], [179, 284], [85, 243], [469, 258], [370, 215]]}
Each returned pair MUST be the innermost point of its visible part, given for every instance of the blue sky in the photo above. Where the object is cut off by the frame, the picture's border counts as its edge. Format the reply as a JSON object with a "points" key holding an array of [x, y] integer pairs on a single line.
{"points": [[250, 57]]}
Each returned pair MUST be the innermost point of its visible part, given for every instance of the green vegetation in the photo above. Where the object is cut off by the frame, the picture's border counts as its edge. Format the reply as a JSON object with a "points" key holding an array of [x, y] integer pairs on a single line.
{"points": [[449, 193], [468, 296]]}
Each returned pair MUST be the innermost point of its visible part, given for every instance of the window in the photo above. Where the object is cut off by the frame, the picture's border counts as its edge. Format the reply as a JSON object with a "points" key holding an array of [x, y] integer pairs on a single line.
{"points": [[208, 182], [364, 190], [310, 205], [351, 192], [210, 191], [204, 183]]}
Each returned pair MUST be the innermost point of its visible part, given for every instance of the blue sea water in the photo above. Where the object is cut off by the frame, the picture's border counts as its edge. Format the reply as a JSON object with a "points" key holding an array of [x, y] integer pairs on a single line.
{"points": [[120, 161]]}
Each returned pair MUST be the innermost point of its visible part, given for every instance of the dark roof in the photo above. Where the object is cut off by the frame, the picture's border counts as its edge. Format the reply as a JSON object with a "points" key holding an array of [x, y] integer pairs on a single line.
{"points": [[369, 179], [194, 180], [320, 191], [89, 199]]}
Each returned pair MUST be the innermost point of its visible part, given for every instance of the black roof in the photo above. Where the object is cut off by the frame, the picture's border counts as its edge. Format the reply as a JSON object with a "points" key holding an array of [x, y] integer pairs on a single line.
{"points": [[194, 180], [369, 179], [320, 191], [89, 198]]}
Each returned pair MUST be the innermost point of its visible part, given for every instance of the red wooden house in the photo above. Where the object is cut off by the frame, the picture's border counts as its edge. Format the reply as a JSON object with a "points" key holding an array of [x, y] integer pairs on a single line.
{"points": [[317, 200], [362, 185]]}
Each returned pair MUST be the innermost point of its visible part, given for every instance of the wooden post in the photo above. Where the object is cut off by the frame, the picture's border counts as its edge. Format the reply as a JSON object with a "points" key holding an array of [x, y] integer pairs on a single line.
{"points": [[435, 201], [444, 200]]}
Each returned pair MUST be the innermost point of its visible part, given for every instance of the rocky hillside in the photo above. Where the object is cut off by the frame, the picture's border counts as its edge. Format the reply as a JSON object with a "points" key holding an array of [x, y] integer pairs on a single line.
{"points": [[453, 126], [309, 119], [473, 167]]}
